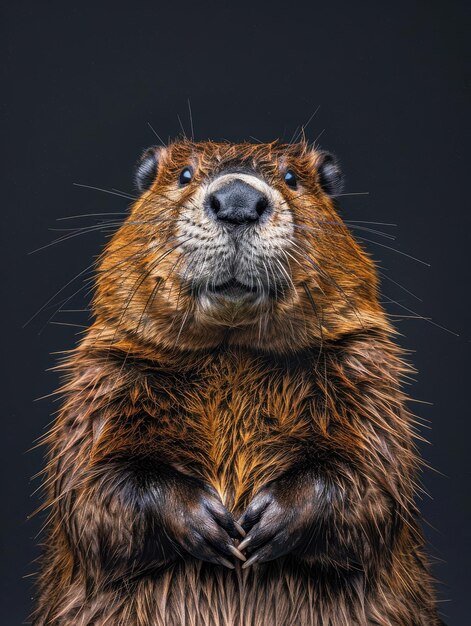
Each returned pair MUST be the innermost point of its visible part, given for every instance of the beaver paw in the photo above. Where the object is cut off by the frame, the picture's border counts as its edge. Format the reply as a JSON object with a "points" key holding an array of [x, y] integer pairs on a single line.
{"points": [[203, 527], [278, 520]]}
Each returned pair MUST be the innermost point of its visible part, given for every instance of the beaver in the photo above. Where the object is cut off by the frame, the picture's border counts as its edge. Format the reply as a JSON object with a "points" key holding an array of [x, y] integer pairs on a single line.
{"points": [[234, 446]]}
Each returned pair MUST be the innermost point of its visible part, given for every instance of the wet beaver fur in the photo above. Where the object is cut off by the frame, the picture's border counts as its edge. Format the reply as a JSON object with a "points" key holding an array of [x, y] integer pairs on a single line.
{"points": [[237, 396]]}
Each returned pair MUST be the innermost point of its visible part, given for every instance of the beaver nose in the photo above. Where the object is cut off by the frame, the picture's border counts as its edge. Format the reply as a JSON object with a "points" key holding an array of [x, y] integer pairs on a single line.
{"points": [[237, 203]]}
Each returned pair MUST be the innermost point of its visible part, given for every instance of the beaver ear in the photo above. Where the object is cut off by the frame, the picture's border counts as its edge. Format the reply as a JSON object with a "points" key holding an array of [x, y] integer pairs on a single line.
{"points": [[147, 166], [329, 173]]}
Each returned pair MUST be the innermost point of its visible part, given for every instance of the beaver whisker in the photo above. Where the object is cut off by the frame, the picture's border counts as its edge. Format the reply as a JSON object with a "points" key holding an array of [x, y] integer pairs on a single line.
{"points": [[371, 230], [185, 317], [366, 222], [297, 261], [150, 300], [209, 277], [302, 128], [268, 277], [254, 275], [409, 256], [287, 256], [110, 270], [183, 278], [350, 222], [353, 193], [413, 258], [76, 229], [181, 288], [252, 266], [383, 275], [155, 133], [82, 215], [319, 230], [190, 114], [108, 227], [386, 277], [131, 196], [193, 261], [283, 270], [260, 288], [110, 223], [96, 227], [426, 319], [81, 273], [169, 275], [331, 280], [108, 191]]}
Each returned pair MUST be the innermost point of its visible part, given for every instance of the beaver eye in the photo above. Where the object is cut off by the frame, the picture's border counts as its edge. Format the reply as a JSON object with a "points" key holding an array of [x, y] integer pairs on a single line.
{"points": [[290, 179], [185, 176]]}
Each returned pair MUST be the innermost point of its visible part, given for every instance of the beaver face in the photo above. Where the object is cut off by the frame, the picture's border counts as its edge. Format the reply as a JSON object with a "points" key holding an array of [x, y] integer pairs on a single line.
{"points": [[236, 243]]}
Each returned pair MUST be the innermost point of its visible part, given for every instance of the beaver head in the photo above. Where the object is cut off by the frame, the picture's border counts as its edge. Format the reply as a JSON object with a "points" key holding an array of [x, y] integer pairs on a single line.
{"points": [[236, 244]]}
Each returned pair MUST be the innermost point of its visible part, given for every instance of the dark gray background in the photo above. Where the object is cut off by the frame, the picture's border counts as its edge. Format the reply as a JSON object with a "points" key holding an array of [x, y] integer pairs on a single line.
{"points": [[81, 82]]}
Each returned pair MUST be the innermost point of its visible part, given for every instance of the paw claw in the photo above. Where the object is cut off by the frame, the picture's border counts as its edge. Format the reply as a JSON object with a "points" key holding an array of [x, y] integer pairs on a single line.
{"points": [[237, 553], [240, 529], [251, 561], [243, 544]]}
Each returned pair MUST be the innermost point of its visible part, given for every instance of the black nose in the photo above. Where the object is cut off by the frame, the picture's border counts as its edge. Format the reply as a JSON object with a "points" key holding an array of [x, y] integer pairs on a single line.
{"points": [[237, 203]]}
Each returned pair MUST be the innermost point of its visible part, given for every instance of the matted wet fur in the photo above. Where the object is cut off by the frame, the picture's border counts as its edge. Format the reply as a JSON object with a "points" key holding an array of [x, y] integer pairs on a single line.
{"points": [[234, 371]]}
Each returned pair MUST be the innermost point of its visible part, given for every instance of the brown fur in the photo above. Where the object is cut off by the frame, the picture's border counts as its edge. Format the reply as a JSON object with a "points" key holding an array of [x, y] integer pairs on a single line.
{"points": [[168, 408]]}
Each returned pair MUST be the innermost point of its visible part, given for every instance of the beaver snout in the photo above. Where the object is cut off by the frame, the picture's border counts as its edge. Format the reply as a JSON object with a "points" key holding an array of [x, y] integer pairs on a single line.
{"points": [[236, 235], [237, 203]]}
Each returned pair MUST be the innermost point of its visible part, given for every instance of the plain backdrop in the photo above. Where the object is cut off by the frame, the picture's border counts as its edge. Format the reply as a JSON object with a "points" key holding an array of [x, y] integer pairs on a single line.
{"points": [[81, 84]]}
